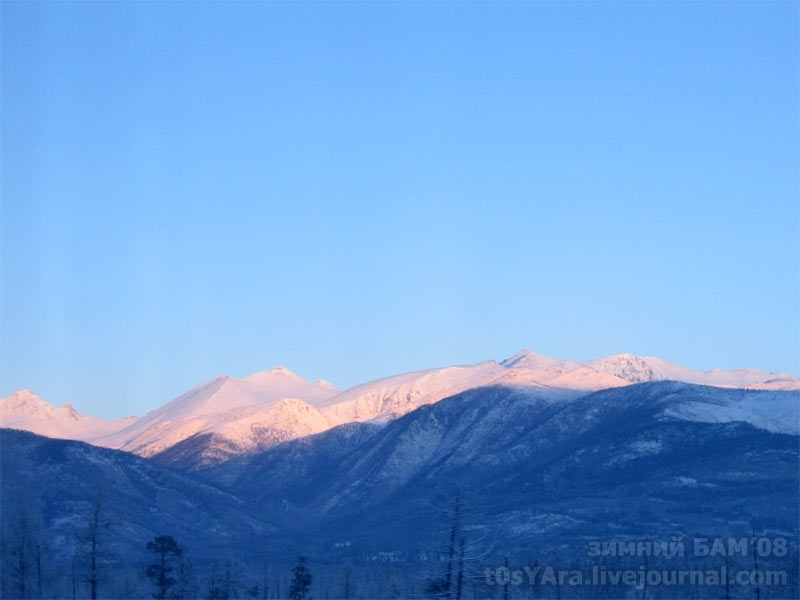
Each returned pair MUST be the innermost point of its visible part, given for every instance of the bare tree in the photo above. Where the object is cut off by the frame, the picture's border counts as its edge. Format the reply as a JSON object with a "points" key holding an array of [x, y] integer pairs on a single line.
{"points": [[754, 542], [348, 584], [460, 577], [466, 550], [22, 554], [217, 588], [96, 524], [185, 586]]}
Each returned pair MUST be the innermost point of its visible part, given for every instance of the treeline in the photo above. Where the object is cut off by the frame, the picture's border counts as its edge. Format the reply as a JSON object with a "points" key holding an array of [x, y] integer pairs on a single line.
{"points": [[171, 573], [466, 565], [172, 577], [30, 570]]}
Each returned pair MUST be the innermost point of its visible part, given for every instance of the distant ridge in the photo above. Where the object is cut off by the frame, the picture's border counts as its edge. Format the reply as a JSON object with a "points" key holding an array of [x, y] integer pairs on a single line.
{"points": [[25, 410], [227, 416], [243, 411]]}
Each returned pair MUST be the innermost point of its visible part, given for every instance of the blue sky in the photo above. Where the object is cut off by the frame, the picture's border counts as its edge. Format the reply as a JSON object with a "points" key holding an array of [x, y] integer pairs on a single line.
{"points": [[359, 189]]}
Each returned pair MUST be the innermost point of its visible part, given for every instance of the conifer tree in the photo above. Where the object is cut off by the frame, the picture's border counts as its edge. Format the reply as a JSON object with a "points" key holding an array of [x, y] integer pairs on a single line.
{"points": [[301, 580], [167, 553]]}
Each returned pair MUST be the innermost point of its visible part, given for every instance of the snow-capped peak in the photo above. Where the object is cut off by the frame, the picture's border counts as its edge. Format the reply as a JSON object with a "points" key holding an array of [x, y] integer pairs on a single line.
{"points": [[277, 372], [221, 405], [277, 404], [24, 400], [25, 410], [638, 369], [631, 368], [538, 362], [635, 369]]}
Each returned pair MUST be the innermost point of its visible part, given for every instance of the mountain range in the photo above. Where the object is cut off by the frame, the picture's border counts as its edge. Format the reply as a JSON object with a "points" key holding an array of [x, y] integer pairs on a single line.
{"points": [[627, 459], [526, 460], [228, 417]]}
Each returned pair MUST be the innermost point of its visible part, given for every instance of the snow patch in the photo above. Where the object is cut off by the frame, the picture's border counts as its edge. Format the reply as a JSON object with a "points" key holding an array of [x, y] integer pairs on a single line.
{"points": [[778, 412]]}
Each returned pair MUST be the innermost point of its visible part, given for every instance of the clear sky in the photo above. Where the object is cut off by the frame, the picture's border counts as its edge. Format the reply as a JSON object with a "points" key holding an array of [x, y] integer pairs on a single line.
{"points": [[355, 190]]}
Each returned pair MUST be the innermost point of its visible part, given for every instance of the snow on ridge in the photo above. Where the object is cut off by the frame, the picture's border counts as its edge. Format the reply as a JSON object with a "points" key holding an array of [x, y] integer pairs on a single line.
{"points": [[27, 411], [389, 397], [777, 384], [585, 379], [640, 369], [25, 401], [283, 383], [538, 362], [777, 412], [285, 405], [228, 406], [238, 405], [224, 393]]}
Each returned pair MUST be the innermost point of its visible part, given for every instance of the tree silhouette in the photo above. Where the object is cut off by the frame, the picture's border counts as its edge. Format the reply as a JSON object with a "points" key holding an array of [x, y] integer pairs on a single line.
{"points": [[97, 522], [22, 553], [462, 556], [301, 580], [220, 584], [348, 584], [167, 551], [443, 587]]}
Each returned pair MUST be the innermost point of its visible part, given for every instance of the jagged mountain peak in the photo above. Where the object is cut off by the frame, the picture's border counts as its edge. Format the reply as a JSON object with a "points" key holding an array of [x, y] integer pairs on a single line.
{"points": [[636, 369], [641, 369], [70, 411], [27, 402], [23, 399], [27, 411]]}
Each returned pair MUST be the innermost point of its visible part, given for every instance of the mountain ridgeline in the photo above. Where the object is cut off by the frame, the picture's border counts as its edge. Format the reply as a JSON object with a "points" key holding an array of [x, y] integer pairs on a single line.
{"points": [[228, 417], [428, 484]]}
